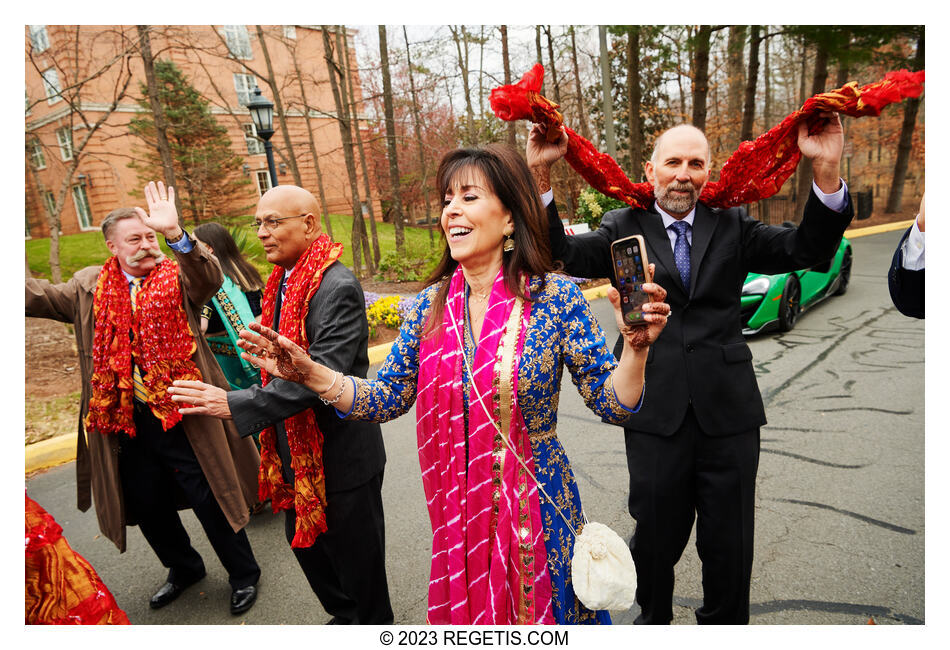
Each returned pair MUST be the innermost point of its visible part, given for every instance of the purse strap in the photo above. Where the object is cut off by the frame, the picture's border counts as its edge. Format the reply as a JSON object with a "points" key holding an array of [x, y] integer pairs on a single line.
{"points": [[506, 393]]}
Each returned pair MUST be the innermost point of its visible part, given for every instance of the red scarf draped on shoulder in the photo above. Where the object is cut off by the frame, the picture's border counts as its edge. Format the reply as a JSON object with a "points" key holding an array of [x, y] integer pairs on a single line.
{"points": [[757, 170], [308, 495], [162, 345]]}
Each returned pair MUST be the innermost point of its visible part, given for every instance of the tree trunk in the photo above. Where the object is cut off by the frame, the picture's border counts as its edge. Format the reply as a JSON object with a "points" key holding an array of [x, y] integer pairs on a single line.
{"points": [[819, 80], [553, 68], [417, 125], [279, 109], [313, 147], [752, 78], [767, 83], [896, 193], [349, 99], [346, 138], [607, 99], [581, 113], [507, 65], [633, 98], [158, 113], [736, 83], [701, 76], [391, 139], [537, 45], [463, 68]]}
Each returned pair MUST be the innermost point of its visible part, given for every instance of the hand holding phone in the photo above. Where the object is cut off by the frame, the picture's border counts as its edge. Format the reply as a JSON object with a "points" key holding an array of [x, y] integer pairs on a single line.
{"points": [[631, 270]]}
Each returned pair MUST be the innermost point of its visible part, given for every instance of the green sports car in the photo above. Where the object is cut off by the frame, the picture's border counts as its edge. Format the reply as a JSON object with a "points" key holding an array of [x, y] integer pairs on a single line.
{"points": [[776, 301]]}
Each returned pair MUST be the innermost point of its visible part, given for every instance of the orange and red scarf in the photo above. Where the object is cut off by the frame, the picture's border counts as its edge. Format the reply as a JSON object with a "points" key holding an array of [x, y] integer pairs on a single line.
{"points": [[161, 344], [755, 171], [308, 495]]}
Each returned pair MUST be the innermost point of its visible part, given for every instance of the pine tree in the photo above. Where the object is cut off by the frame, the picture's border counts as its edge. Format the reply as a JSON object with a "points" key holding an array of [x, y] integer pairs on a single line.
{"points": [[206, 168]]}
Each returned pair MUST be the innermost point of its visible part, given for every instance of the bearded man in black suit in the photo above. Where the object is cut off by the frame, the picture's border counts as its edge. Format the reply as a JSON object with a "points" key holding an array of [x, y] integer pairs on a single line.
{"points": [[693, 447]]}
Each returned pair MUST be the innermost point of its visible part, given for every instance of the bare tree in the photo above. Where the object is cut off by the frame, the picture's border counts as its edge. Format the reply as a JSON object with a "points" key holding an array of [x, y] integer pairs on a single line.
{"points": [[391, 138], [633, 100], [735, 75], [701, 75], [460, 36], [71, 54], [158, 112], [313, 148], [417, 126], [581, 115], [607, 99], [507, 66], [349, 99], [359, 241], [748, 109]]}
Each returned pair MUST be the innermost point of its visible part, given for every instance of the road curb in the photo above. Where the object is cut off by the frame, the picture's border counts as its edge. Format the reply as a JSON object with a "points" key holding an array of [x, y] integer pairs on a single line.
{"points": [[50, 453], [852, 233]]}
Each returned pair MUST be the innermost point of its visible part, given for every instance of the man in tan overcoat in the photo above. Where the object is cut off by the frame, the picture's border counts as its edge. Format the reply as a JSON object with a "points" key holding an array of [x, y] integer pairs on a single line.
{"points": [[135, 320]]}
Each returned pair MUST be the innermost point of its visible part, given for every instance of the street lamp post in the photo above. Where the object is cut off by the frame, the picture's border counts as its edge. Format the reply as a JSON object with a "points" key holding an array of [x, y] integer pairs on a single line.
{"points": [[262, 113]]}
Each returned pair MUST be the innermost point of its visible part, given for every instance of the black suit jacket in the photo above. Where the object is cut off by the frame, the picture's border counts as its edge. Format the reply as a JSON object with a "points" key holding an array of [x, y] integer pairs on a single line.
{"points": [[337, 329], [906, 287], [701, 356]]}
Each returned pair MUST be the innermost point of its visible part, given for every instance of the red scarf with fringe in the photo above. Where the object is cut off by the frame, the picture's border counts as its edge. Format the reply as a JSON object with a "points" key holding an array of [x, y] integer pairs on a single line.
{"points": [[161, 344], [757, 170], [308, 495]]}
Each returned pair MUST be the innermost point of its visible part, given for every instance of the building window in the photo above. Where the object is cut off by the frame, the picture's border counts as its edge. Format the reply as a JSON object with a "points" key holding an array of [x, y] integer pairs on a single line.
{"points": [[65, 138], [51, 84], [39, 38], [238, 40], [36, 153], [254, 145], [290, 31], [244, 84], [82, 207], [263, 181], [50, 202]]}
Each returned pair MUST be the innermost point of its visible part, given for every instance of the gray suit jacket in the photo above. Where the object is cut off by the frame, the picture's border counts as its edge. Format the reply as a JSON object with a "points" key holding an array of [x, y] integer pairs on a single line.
{"points": [[337, 329]]}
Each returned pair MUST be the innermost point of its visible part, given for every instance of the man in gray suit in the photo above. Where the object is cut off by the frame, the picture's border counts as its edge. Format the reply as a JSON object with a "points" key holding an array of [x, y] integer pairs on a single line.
{"points": [[345, 564]]}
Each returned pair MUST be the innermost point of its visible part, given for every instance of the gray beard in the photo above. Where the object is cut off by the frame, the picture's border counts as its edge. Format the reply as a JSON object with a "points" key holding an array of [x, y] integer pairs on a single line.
{"points": [[677, 204]]}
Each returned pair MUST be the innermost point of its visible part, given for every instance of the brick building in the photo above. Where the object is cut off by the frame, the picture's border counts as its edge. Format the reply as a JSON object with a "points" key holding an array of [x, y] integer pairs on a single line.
{"points": [[74, 73]]}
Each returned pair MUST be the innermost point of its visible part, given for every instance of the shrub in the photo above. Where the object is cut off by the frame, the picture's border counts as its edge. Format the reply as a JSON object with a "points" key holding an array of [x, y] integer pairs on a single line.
{"points": [[412, 266], [592, 205]]}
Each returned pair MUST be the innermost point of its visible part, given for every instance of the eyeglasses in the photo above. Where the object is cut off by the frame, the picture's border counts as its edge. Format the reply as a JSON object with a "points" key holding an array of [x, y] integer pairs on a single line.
{"points": [[270, 223]]}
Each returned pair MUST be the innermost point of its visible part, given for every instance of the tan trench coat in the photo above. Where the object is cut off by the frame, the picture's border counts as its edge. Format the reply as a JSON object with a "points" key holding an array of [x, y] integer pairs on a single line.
{"points": [[230, 463]]}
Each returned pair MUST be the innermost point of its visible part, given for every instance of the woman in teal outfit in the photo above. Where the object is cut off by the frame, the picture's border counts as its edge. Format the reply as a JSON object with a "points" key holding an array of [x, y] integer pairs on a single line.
{"points": [[237, 303], [481, 355]]}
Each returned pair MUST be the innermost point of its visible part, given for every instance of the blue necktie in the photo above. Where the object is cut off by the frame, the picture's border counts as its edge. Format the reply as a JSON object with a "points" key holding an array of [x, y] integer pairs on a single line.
{"points": [[681, 251]]}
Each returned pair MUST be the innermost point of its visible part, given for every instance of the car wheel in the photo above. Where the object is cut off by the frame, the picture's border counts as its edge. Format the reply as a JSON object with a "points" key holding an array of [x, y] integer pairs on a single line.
{"points": [[791, 304], [844, 277]]}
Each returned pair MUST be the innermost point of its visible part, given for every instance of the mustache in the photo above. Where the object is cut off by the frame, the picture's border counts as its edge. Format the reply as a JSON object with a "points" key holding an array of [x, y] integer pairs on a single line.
{"points": [[133, 260], [681, 186]]}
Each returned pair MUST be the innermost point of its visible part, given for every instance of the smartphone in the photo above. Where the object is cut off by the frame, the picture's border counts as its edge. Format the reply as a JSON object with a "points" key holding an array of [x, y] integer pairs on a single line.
{"points": [[631, 269]]}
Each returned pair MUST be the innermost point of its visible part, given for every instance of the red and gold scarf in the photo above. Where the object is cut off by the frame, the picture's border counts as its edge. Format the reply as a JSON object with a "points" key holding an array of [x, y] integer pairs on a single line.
{"points": [[161, 344], [755, 171], [308, 495]]}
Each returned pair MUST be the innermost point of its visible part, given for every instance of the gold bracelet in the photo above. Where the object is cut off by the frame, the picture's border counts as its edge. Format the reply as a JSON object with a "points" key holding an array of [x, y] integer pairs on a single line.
{"points": [[338, 395]]}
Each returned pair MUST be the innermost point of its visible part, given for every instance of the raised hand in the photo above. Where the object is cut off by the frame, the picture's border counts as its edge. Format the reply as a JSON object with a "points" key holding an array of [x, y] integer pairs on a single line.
{"points": [[824, 147], [162, 215], [276, 354], [655, 314]]}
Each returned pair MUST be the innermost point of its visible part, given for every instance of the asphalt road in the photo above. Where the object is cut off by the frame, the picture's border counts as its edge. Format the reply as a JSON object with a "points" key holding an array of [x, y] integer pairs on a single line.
{"points": [[839, 505]]}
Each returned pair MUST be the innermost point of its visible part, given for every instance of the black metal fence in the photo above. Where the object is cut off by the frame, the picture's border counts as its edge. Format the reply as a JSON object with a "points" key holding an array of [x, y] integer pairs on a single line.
{"points": [[776, 210]]}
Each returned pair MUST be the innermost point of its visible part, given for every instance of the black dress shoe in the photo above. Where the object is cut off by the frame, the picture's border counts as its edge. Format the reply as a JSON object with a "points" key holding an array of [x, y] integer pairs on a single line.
{"points": [[243, 598], [169, 592]]}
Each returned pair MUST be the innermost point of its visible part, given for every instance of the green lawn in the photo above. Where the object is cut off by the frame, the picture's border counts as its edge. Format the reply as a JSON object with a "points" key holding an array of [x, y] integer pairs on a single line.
{"points": [[84, 249]]}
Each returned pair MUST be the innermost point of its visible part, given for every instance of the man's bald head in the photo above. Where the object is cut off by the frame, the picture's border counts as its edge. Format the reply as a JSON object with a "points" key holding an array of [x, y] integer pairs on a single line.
{"points": [[681, 131], [290, 222], [290, 197]]}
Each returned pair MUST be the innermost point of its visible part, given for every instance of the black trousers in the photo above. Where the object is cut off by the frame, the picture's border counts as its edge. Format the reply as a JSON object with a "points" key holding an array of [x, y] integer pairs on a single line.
{"points": [[346, 565], [674, 480], [157, 467]]}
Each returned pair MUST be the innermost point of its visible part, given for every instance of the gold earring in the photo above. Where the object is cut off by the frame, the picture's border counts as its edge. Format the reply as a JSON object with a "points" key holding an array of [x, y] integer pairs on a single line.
{"points": [[509, 244]]}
